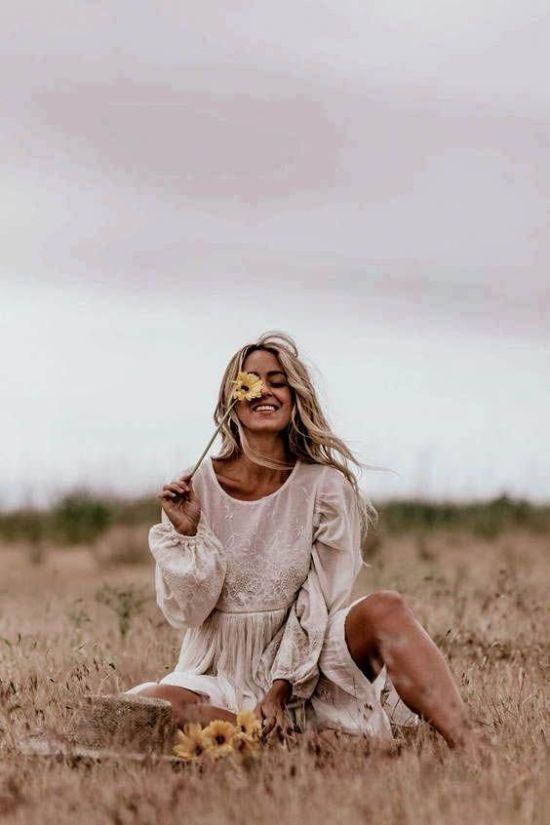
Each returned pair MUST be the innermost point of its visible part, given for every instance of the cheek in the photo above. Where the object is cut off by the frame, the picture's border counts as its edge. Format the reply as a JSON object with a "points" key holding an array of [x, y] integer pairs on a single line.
{"points": [[242, 410], [288, 398], [288, 405]]}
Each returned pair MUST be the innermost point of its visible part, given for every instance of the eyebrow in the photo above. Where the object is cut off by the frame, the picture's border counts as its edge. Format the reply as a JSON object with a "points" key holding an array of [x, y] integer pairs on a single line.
{"points": [[271, 372]]}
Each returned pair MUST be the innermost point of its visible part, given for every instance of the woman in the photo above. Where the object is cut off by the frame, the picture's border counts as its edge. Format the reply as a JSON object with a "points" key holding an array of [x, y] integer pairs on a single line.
{"points": [[256, 557]]}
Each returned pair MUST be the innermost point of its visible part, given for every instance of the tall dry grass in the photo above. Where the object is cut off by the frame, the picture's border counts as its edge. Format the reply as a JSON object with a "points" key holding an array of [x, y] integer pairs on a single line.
{"points": [[83, 620]]}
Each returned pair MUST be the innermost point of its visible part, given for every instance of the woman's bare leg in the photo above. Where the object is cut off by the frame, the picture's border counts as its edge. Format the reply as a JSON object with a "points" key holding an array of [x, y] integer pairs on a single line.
{"points": [[382, 630], [187, 705]]}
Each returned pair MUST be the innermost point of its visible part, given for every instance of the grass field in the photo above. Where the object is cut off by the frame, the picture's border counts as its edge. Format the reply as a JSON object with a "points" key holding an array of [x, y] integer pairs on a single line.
{"points": [[82, 619]]}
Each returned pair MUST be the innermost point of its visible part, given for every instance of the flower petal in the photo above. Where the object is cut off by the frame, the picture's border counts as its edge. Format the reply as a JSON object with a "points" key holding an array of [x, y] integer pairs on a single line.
{"points": [[247, 386]]}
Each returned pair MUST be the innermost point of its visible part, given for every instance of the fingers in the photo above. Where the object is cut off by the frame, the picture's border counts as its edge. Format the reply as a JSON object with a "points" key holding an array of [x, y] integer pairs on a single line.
{"points": [[276, 732], [174, 489], [186, 480], [275, 725], [281, 726], [267, 717], [269, 725]]}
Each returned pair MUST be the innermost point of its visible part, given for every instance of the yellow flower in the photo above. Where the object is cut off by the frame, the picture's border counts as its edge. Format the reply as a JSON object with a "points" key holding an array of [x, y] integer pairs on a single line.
{"points": [[191, 743], [245, 745], [219, 736], [247, 386], [248, 725]]}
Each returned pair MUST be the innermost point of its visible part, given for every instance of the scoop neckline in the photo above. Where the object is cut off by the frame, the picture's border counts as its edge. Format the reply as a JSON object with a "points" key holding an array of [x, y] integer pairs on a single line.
{"points": [[210, 464]]}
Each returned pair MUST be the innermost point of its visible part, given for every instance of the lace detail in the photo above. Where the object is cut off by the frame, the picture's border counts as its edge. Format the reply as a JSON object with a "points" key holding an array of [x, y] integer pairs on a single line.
{"points": [[263, 573]]}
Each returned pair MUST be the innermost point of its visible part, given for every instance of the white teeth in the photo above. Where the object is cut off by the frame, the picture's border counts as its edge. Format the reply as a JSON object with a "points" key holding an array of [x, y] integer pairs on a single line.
{"points": [[265, 407]]}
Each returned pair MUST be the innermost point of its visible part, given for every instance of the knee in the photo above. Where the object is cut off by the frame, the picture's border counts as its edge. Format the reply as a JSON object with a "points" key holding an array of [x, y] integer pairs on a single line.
{"points": [[384, 608], [167, 694], [179, 706]]}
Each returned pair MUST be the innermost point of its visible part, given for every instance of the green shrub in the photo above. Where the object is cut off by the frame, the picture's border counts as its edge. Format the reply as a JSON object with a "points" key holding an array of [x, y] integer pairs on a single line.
{"points": [[79, 519], [487, 519]]}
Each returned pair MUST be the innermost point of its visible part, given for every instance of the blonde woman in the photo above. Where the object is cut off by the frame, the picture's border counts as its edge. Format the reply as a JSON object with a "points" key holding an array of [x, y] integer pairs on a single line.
{"points": [[256, 557]]}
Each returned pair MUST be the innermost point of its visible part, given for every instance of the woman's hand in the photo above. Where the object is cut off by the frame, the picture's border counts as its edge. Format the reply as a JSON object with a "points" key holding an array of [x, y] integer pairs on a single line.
{"points": [[271, 710], [182, 505]]}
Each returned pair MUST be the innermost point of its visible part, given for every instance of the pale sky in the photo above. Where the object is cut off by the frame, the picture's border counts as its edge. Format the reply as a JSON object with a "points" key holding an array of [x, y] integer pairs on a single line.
{"points": [[373, 179]]}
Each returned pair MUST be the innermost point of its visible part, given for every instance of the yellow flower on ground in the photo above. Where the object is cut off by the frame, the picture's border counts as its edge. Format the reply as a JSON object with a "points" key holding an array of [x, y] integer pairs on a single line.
{"points": [[245, 745], [190, 743], [248, 724], [219, 736], [247, 386]]}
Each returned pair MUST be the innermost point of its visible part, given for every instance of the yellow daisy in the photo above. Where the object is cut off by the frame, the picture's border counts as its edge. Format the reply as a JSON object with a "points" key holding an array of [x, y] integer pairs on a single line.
{"points": [[190, 743], [248, 725], [247, 386], [246, 745], [219, 736]]}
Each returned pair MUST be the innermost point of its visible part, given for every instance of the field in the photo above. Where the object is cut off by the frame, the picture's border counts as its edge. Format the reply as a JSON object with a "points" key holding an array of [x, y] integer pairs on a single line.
{"points": [[79, 619]]}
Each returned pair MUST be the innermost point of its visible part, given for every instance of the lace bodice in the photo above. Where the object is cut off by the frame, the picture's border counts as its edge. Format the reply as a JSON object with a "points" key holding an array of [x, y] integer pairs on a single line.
{"points": [[267, 548], [277, 566]]}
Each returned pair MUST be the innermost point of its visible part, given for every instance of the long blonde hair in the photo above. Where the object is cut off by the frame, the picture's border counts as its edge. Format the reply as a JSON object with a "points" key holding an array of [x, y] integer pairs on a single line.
{"points": [[308, 436]]}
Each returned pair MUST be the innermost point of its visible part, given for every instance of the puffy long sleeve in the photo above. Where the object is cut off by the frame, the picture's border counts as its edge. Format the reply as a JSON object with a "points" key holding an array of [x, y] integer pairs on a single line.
{"points": [[299, 643], [336, 550], [189, 573], [335, 562]]}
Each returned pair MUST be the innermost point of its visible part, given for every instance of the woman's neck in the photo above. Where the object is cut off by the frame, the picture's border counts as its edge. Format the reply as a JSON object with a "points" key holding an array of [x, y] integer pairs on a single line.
{"points": [[269, 446]]}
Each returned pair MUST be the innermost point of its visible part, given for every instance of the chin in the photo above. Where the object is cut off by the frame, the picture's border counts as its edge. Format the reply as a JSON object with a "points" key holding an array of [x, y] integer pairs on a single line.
{"points": [[265, 426]]}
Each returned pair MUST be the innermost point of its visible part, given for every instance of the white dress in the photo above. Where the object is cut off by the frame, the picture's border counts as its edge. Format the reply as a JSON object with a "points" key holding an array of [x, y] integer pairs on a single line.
{"points": [[262, 592]]}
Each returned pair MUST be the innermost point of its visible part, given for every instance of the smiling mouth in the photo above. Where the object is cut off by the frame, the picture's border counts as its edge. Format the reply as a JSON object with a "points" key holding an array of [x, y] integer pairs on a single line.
{"points": [[265, 408]]}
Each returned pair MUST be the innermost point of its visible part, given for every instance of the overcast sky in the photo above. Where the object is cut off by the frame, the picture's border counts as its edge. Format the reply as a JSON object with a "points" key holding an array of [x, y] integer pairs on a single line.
{"points": [[372, 178]]}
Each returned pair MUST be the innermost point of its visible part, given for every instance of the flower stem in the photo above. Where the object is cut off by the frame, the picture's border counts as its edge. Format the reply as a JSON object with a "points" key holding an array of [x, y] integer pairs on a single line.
{"points": [[218, 428]]}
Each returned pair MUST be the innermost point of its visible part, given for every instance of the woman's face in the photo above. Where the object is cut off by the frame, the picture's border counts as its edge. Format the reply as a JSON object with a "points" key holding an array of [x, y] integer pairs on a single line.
{"points": [[270, 413]]}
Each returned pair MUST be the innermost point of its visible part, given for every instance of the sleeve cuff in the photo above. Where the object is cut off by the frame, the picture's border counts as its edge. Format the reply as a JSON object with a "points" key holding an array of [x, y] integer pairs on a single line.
{"points": [[301, 688], [164, 539]]}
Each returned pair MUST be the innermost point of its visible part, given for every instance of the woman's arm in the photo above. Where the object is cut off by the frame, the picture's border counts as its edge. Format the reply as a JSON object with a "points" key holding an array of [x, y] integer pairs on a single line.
{"points": [[271, 710], [190, 565]]}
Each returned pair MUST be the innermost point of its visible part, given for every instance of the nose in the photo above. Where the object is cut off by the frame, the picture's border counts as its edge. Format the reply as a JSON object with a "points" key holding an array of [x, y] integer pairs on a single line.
{"points": [[265, 393]]}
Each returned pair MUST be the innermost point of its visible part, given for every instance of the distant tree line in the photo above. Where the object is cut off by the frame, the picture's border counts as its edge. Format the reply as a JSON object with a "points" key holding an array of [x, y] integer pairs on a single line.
{"points": [[80, 518]]}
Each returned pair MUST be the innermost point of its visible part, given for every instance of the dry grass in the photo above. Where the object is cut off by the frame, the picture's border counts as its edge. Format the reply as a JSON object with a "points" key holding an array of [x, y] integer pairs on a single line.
{"points": [[78, 621]]}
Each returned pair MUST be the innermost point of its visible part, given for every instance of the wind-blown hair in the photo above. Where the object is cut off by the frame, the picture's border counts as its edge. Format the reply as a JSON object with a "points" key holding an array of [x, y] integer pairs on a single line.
{"points": [[308, 435]]}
